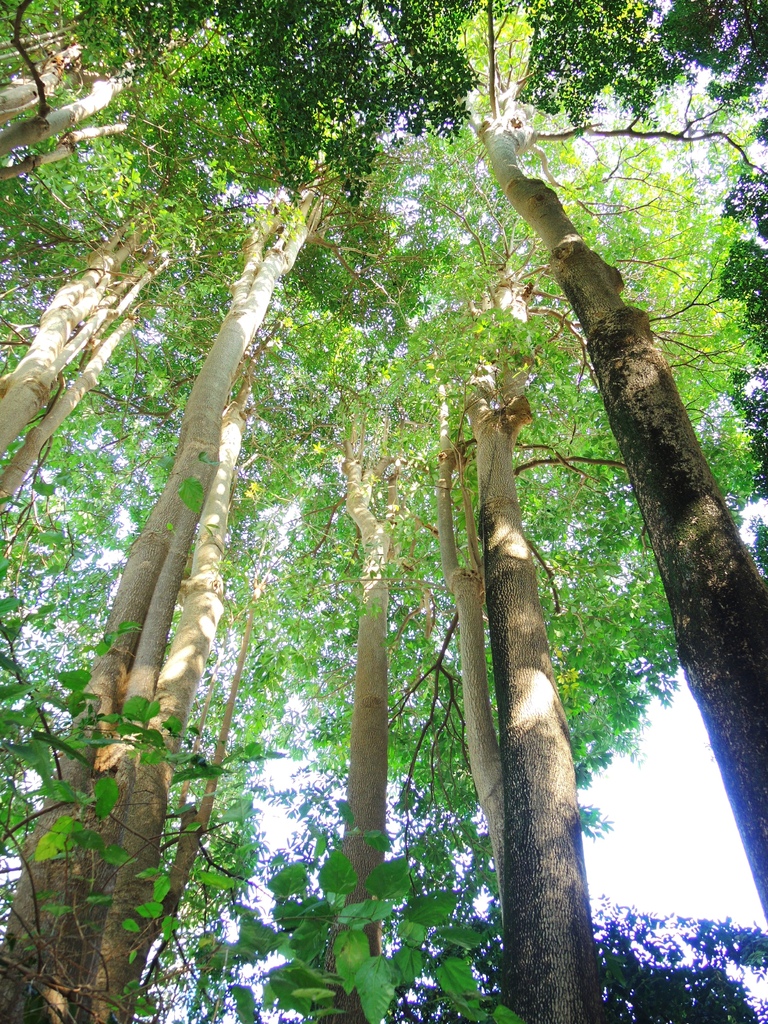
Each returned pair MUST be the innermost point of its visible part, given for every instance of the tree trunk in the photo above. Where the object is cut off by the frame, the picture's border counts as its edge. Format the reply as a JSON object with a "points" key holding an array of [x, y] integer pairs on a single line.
{"points": [[718, 600], [18, 468], [21, 96], [71, 948], [369, 734], [64, 149], [549, 966], [37, 129], [25, 390], [466, 585], [144, 822]]}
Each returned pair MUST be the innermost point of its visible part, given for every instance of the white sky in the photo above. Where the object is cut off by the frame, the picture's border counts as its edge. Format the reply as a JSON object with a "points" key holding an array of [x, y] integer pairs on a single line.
{"points": [[674, 848]]}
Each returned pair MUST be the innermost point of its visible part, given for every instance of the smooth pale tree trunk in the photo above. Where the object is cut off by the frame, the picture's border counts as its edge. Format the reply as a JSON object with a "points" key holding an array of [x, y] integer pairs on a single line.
{"points": [[69, 957], [369, 733], [64, 149], [37, 129], [144, 820], [466, 585], [718, 600], [25, 390], [21, 96], [549, 964], [20, 465]]}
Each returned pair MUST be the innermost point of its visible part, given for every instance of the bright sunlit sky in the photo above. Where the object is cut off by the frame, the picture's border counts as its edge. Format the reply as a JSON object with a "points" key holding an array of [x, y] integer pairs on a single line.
{"points": [[674, 848]]}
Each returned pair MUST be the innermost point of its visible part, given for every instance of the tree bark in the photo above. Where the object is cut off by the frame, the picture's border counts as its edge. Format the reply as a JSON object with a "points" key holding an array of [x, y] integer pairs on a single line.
{"points": [[69, 952], [21, 463], [64, 149], [369, 733], [549, 965], [21, 96], [466, 585], [25, 390], [718, 600], [37, 129]]}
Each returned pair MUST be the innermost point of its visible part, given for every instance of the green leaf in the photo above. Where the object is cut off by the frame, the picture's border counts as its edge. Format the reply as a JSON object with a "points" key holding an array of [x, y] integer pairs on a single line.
{"points": [[139, 709], [432, 908], [378, 840], [54, 842], [192, 494], [114, 854], [357, 915], [412, 933], [107, 794], [173, 725], [61, 790], [150, 909], [245, 1004], [130, 925], [41, 487], [205, 457], [346, 812], [409, 963], [289, 882], [455, 977], [390, 880], [337, 874], [351, 950], [216, 880], [77, 679], [467, 938], [503, 1015], [88, 840], [375, 986], [161, 888]]}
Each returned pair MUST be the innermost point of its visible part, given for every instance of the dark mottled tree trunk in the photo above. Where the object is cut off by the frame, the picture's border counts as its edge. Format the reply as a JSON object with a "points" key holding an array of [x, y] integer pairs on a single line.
{"points": [[549, 966], [718, 600]]}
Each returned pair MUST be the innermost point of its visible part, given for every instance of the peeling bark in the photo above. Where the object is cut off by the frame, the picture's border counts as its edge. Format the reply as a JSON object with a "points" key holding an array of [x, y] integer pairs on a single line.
{"points": [[718, 600], [549, 965], [21, 96], [25, 390], [20, 465]]}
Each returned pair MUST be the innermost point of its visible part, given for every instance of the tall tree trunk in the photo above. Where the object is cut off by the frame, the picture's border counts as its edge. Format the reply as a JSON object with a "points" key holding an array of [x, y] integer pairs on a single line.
{"points": [[466, 585], [549, 966], [21, 96], [37, 129], [144, 820], [369, 734], [25, 390], [718, 600], [23, 460], [69, 955]]}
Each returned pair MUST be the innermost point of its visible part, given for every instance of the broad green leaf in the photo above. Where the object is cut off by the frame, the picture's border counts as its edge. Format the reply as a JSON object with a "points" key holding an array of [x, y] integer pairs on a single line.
{"points": [[337, 874], [456, 978], [346, 812], [410, 964], [412, 933], [77, 679], [191, 493], [289, 881], [216, 880], [430, 909], [390, 880], [88, 840], [351, 950], [130, 925], [150, 909], [503, 1015], [375, 986], [116, 855], [467, 938], [357, 915], [245, 1004], [161, 888], [107, 794], [378, 840], [139, 709]]}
